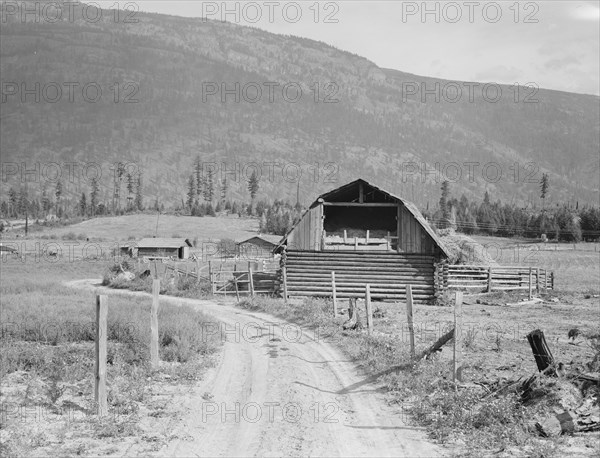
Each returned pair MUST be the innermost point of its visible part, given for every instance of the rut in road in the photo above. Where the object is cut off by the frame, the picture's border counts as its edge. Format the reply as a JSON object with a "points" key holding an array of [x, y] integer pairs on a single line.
{"points": [[280, 391]]}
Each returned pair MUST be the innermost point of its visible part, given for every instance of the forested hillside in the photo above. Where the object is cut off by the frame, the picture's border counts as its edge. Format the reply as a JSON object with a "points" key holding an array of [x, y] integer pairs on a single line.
{"points": [[157, 110]]}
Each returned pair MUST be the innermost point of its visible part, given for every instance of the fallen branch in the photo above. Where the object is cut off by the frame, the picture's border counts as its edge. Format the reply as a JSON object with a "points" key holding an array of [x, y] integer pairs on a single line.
{"points": [[438, 345]]}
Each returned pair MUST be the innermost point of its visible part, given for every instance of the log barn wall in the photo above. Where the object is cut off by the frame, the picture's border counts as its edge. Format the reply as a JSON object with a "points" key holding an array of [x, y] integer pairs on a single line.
{"points": [[309, 274]]}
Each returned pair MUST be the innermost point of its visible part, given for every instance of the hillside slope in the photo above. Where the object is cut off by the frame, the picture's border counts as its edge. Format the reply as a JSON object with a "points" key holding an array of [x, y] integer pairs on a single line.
{"points": [[374, 128]]}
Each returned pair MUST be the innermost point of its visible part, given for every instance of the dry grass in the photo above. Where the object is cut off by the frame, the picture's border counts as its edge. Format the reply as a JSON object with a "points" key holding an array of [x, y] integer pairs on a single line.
{"points": [[46, 365], [142, 225], [576, 266]]}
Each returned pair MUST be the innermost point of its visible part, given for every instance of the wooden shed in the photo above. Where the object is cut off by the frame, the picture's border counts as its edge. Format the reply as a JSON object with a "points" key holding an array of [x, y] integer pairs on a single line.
{"points": [[260, 246], [158, 247], [366, 236]]}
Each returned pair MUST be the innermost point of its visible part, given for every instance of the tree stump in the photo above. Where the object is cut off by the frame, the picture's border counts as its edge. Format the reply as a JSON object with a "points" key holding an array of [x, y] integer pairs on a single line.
{"points": [[541, 352]]}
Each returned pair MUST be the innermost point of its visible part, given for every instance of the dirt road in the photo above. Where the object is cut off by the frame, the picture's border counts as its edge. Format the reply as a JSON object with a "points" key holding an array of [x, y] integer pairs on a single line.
{"points": [[279, 390]]}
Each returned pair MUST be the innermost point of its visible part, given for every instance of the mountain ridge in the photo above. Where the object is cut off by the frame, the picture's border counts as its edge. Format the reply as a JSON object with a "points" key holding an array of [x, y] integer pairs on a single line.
{"points": [[376, 129]]}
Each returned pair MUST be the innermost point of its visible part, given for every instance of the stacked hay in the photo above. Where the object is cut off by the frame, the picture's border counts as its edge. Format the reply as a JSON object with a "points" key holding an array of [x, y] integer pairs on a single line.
{"points": [[464, 250]]}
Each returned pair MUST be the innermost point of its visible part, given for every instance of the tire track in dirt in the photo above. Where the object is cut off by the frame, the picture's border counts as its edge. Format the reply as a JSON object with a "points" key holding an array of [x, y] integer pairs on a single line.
{"points": [[341, 412]]}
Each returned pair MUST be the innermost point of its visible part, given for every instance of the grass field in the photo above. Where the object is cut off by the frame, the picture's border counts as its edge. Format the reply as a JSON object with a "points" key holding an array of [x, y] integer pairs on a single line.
{"points": [[576, 266], [120, 228], [47, 362]]}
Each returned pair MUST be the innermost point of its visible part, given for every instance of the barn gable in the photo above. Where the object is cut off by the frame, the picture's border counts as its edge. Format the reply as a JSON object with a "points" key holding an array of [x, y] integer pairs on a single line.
{"points": [[360, 216]]}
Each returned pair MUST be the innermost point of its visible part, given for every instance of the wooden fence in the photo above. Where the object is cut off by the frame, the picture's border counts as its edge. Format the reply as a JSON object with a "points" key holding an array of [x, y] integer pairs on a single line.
{"points": [[250, 279], [493, 278]]}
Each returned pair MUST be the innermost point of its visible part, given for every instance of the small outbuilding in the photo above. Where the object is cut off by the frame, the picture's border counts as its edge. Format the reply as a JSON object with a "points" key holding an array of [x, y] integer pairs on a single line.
{"points": [[159, 247], [260, 246], [365, 235]]}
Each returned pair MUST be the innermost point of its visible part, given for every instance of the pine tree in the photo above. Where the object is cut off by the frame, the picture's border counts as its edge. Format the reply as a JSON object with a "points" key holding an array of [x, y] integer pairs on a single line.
{"points": [[253, 185], [209, 188], [94, 196], [224, 188], [45, 201], [58, 192], [12, 202], [199, 177], [191, 194], [544, 188], [139, 197], [130, 188], [444, 203], [83, 204], [23, 203]]}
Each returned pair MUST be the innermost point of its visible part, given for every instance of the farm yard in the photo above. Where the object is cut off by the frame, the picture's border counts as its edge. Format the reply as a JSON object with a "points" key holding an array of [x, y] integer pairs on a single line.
{"points": [[47, 353]]}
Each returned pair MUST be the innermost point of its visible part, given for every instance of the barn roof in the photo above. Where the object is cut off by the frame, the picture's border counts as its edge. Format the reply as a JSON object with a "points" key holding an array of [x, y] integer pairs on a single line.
{"points": [[335, 193], [163, 242], [269, 238]]}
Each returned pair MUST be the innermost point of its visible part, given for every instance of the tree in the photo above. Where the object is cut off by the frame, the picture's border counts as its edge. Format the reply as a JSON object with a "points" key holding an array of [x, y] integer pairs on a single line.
{"points": [[45, 201], [130, 188], [58, 192], [253, 185], [139, 197], [544, 188], [224, 188], [12, 202], [199, 176], [83, 204], [94, 196], [191, 194], [209, 186], [23, 205], [444, 203]]}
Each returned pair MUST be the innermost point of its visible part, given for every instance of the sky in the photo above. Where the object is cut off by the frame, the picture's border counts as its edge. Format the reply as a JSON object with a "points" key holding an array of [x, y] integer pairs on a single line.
{"points": [[552, 44]]}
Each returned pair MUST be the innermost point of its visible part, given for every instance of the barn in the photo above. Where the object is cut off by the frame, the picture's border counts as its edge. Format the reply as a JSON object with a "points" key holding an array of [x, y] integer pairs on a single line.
{"points": [[366, 236], [258, 247], [158, 247]]}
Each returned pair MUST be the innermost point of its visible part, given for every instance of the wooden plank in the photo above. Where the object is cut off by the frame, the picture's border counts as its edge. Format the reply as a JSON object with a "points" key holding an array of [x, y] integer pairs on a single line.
{"points": [[358, 204], [154, 324], [100, 355], [530, 283], [369, 310], [458, 338], [409, 319]]}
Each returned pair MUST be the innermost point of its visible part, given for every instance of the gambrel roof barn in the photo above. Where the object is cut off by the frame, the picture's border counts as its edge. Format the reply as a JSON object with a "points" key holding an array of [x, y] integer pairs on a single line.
{"points": [[366, 236]]}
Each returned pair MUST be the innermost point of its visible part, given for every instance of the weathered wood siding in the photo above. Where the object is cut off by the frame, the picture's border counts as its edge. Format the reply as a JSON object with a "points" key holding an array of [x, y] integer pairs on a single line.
{"points": [[158, 252], [309, 274], [413, 238], [308, 232]]}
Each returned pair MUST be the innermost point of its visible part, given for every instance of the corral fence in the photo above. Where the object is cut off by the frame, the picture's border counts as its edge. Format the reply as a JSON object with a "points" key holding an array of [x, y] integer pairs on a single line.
{"points": [[493, 278], [250, 278]]}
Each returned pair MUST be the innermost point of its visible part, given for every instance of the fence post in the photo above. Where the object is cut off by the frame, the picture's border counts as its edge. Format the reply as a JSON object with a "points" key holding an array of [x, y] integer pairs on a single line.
{"points": [[154, 324], [409, 319], [369, 309], [198, 270], [489, 280], [537, 280], [530, 283], [251, 281], [458, 337], [334, 293], [100, 350], [211, 278]]}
